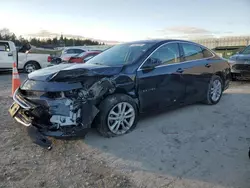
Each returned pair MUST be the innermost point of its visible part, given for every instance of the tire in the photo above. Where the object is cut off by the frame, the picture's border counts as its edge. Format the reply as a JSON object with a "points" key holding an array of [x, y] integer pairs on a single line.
{"points": [[210, 99], [31, 66], [111, 104]]}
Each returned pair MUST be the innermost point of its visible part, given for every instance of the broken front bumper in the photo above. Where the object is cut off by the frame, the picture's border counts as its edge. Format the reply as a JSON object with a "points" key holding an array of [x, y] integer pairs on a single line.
{"points": [[29, 114], [18, 109]]}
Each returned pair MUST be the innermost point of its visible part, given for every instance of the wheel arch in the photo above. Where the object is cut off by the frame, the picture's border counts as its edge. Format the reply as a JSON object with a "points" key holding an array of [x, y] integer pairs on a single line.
{"points": [[222, 76], [32, 61], [124, 92]]}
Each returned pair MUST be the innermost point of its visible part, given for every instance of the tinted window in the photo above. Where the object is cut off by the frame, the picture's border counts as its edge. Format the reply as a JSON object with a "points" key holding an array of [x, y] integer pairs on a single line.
{"points": [[246, 50], [192, 52], [4, 46], [206, 53], [166, 54]]}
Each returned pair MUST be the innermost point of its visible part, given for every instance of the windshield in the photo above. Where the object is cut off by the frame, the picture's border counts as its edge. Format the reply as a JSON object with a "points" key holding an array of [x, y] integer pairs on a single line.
{"points": [[121, 54]]}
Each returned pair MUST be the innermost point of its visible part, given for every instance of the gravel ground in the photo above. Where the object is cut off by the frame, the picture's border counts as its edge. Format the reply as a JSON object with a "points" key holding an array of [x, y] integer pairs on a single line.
{"points": [[193, 146]]}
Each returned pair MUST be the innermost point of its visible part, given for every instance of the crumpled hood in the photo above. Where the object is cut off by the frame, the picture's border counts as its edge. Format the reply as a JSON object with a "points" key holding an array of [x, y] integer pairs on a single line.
{"points": [[67, 72]]}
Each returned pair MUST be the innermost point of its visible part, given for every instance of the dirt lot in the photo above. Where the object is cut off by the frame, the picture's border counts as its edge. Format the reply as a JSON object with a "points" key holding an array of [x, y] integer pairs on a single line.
{"points": [[194, 146]]}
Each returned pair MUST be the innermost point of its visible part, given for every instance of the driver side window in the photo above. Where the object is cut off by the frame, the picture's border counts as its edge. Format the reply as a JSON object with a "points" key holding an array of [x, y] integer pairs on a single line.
{"points": [[167, 54]]}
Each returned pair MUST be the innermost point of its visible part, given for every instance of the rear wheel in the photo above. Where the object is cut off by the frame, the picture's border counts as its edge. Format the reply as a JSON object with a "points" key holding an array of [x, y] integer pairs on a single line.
{"points": [[31, 66], [118, 115], [215, 89]]}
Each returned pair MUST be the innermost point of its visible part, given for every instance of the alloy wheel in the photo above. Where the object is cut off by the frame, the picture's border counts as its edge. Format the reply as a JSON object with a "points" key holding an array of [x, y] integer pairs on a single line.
{"points": [[121, 118], [215, 91]]}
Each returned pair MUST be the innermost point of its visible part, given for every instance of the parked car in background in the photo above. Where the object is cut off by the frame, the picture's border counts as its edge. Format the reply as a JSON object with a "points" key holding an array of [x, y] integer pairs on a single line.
{"points": [[69, 52], [83, 57], [28, 62], [55, 60], [114, 86], [240, 64]]}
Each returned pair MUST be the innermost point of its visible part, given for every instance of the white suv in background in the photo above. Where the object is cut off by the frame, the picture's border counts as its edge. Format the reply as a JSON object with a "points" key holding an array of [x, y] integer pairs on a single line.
{"points": [[67, 53]]}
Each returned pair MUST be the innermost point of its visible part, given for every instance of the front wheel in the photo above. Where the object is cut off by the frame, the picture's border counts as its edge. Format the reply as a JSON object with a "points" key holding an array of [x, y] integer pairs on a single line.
{"points": [[118, 115], [215, 89]]}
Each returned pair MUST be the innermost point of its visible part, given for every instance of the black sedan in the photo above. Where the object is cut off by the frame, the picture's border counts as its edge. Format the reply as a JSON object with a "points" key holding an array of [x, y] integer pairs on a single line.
{"points": [[110, 90], [240, 64]]}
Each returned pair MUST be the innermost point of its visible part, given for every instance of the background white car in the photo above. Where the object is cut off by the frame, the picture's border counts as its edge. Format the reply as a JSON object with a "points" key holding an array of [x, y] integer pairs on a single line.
{"points": [[67, 53]]}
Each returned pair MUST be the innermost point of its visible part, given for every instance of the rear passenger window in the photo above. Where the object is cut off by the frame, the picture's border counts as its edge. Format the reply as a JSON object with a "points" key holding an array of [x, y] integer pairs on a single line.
{"points": [[206, 53], [192, 52]]}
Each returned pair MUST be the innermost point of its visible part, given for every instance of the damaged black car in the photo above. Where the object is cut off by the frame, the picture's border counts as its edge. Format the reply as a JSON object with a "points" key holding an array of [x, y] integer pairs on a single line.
{"points": [[110, 90]]}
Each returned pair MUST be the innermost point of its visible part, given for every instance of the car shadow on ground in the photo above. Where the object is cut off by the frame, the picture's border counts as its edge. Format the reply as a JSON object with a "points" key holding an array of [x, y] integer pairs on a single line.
{"points": [[207, 143]]}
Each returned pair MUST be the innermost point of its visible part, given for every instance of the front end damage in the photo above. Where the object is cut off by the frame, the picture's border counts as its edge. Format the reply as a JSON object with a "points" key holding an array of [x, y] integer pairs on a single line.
{"points": [[59, 109]]}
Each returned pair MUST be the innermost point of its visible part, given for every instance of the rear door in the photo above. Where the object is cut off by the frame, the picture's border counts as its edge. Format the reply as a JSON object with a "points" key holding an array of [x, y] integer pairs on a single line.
{"points": [[161, 85], [197, 70], [6, 55]]}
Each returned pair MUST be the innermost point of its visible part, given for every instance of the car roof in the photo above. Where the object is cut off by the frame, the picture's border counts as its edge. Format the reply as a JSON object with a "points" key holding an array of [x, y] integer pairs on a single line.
{"points": [[158, 41]]}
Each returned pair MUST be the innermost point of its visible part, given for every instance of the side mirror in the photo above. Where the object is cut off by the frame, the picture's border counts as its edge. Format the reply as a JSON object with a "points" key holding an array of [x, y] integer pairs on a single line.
{"points": [[151, 63]]}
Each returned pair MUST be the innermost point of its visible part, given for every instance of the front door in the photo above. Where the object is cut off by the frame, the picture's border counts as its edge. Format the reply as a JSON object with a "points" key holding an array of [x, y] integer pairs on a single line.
{"points": [[6, 56], [159, 81]]}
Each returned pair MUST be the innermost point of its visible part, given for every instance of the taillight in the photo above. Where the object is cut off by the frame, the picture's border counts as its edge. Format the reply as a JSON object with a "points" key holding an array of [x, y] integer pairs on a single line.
{"points": [[49, 58]]}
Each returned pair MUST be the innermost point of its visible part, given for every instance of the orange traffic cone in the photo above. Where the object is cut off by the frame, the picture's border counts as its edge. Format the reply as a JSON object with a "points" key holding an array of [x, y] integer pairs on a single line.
{"points": [[15, 79]]}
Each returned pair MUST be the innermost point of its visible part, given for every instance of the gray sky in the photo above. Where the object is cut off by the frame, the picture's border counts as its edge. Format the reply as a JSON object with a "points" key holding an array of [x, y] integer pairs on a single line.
{"points": [[125, 20]]}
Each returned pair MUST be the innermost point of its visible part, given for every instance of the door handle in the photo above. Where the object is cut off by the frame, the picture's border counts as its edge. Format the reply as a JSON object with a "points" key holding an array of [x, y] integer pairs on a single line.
{"points": [[10, 54], [208, 65], [179, 70]]}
